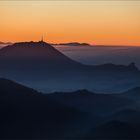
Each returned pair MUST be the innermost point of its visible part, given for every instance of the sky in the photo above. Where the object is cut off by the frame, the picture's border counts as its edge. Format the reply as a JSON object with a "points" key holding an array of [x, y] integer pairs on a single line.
{"points": [[94, 22]]}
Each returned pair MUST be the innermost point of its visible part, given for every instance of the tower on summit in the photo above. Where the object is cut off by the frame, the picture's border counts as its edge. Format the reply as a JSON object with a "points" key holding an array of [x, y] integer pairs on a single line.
{"points": [[42, 39]]}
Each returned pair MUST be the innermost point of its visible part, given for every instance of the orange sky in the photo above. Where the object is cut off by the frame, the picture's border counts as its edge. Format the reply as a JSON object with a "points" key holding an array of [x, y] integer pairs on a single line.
{"points": [[95, 22]]}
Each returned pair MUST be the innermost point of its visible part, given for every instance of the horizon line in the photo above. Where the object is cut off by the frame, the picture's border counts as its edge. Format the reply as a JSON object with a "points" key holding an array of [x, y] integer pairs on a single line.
{"points": [[115, 45]]}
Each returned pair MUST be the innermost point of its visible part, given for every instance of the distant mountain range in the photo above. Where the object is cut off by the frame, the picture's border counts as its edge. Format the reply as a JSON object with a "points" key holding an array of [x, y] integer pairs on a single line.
{"points": [[76, 44], [73, 44], [28, 114], [5, 42], [38, 64]]}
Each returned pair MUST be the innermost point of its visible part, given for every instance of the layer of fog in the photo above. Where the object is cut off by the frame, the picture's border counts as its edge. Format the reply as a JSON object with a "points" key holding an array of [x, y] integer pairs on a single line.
{"points": [[101, 55]]}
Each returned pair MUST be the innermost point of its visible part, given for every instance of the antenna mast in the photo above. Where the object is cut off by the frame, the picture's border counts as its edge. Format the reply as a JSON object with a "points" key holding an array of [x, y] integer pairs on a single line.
{"points": [[42, 38]]}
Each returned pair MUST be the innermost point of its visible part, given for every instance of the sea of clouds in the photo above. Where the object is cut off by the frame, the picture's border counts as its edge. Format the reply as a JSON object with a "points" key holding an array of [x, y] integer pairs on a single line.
{"points": [[102, 54]]}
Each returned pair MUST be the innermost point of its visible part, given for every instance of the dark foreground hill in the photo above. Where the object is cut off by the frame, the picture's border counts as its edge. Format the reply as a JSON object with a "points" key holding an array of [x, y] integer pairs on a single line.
{"points": [[41, 66], [115, 130], [28, 114]]}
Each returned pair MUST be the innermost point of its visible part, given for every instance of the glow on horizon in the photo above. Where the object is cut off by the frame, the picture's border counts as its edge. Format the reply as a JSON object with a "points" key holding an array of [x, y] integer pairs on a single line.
{"points": [[94, 22]]}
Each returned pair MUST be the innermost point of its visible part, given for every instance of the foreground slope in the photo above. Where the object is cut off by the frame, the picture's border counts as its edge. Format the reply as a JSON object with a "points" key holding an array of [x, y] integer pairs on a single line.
{"points": [[26, 114]]}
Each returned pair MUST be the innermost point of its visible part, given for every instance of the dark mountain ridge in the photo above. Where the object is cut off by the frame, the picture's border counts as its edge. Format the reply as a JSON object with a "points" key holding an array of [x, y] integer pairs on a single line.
{"points": [[73, 44], [135, 91], [28, 114], [5, 42], [33, 51], [38, 63], [45, 52], [10, 88]]}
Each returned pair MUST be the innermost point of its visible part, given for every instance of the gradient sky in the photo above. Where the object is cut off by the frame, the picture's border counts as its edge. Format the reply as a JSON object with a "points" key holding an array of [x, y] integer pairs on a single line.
{"points": [[95, 22]]}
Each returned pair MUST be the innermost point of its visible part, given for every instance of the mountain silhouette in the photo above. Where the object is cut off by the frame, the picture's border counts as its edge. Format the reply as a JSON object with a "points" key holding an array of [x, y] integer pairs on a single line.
{"points": [[115, 130], [38, 64], [1, 42], [134, 91], [74, 44], [35, 52], [29, 114], [7, 86], [93, 103], [5, 42]]}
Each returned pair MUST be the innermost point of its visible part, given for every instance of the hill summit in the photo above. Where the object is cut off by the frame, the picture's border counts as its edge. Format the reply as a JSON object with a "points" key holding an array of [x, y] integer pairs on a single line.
{"points": [[35, 53]]}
